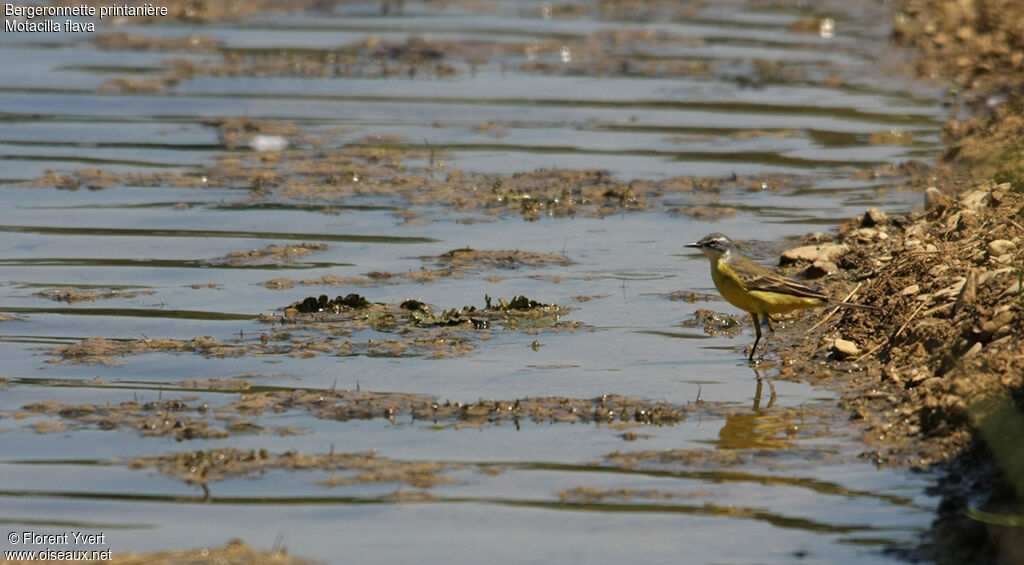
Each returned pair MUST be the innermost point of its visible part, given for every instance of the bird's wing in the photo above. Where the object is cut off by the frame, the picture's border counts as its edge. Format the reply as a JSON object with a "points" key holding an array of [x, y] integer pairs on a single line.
{"points": [[756, 277]]}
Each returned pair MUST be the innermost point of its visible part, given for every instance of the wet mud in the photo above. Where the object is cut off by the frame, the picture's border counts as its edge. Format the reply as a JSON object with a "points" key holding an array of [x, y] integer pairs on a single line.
{"points": [[179, 418], [192, 417], [935, 378], [71, 295], [601, 53], [321, 325], [414, 175], [203, 467], [457, 263], [270, 255], [934, 374]]}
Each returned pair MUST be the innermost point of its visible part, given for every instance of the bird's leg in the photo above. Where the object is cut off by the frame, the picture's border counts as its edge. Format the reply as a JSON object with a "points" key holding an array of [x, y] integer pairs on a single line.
{"points": [[771, 332], [757, 330]]}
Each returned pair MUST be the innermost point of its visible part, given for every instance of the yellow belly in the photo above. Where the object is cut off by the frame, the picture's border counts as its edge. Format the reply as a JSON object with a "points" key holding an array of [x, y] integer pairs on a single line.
{"points": [[756, 301]]}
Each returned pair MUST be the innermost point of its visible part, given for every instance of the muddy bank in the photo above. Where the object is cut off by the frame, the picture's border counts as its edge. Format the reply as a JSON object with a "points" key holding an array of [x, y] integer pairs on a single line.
{"points": [[919, 373], [978, 48], [936, 378]]}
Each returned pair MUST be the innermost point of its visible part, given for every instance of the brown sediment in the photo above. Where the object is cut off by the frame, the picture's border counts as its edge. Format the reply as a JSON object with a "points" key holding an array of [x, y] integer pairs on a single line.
{"points": [[483, 259], [96, 179], [590, 495], [891, 137], [705, 213], [376, 278], [117, 41], [191, 418], [177, 418], [415, 176], [272, 254], [344, 405], [203, 467], [234, 553], [939, 370], [688, 458], [318, 326], [72, 295], [715, 323], [939, 383], [49, 427], [690, 296], [947, 335], [587, 297], [456, 263], [979, 47], [419, 57], [214, 383], [110, 351]]}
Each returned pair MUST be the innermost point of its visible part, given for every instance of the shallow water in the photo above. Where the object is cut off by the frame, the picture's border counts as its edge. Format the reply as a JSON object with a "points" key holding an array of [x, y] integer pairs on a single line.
{"points": [[800, 490]]}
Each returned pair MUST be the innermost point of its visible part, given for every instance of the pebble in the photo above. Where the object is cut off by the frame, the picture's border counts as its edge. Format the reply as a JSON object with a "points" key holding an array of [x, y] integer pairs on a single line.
{"points": [[933, 198], [990, 327], [874, 217], [811, 253], [911, 290], [968, 292], [974, 200], [820, 269], [999, 247], [844, 349], [866, 234]]}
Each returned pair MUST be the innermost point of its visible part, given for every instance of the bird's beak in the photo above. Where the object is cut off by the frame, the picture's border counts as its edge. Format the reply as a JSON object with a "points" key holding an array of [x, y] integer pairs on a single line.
{"points": [[694, 244]]}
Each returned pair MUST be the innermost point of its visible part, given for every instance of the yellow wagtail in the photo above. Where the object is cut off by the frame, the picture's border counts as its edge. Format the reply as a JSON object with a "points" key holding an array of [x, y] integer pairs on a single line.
{"points": [[753, 288]]}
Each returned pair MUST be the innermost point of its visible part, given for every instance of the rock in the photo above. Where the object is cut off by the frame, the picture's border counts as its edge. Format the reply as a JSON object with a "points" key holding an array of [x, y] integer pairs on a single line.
{"points": [[811, 253], [967, 220], [820, 269], [866, 234], [968, 292], [934, 199], [974, 200], [873, 217], [844, 349], [988, 328], [998, 247], [1015, 289], [911, 290]]}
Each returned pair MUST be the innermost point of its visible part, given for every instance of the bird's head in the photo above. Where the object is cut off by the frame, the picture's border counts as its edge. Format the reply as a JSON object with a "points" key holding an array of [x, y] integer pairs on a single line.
{"points": [[714, 245]]}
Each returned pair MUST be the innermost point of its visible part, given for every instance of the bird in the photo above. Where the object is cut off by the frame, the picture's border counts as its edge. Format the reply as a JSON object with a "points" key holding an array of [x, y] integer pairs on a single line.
{"points": [[754, 289]]}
